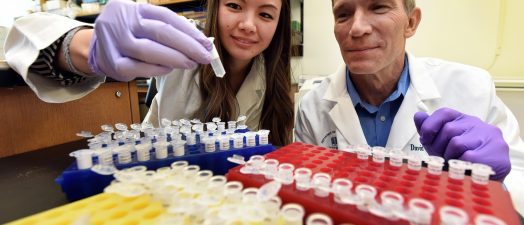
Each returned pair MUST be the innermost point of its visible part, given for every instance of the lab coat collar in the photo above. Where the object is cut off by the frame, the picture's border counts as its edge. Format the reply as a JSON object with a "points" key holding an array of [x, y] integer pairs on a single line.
{"points": [[343, 114], [253, 87], [420, 91], [345, 118]]}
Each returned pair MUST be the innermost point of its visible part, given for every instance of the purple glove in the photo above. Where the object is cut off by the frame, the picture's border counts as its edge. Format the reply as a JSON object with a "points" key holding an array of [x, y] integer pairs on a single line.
{"points": [[454, 135], [141, 40]]}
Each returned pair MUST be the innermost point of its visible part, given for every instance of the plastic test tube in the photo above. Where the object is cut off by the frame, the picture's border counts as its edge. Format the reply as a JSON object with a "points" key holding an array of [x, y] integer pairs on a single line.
{"points": [[366, 194], [143, 151], [379, 154], [480, 173], [342, 190], [285, 173], [450, 215], [179, 147], [263, 137], [216, 63], [161, 149], [123, 154], [238, 140], [257, 161], [483, 219], [270, 168], [84, 158], [233, 191], [435, 164], [292, 214], [363, 152], [322, 184], [224, 142], [303, 178], [392, 202], [395, 157], [457, 168], [250, 139], [414, 162], [420, 211], [232, 125], [209, 144], [319, 219]]}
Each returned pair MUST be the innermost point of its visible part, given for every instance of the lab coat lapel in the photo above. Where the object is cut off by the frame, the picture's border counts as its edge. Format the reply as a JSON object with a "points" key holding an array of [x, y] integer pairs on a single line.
{"points": [[420, 91], [252, 90], [343, 114]]}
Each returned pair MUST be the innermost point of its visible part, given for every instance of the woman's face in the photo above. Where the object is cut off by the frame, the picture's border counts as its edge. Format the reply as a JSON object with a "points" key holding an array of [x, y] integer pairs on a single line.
{"points": [[246, 27]]}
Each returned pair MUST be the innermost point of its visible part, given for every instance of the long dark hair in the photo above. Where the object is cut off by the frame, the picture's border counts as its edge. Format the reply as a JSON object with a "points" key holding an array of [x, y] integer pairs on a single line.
{"points": [[219, 99]]}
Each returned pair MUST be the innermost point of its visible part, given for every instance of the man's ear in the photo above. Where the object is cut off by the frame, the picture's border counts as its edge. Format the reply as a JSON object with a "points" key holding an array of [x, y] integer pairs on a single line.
{"points": [[414, 20]]}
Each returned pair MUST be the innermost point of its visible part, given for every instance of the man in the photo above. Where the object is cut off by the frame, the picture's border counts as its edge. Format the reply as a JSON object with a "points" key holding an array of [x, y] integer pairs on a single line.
{"points": [[384, 96]]}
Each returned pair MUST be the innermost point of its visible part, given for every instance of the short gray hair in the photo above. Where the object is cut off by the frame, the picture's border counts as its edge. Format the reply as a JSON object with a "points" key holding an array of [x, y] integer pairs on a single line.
{"points": [[409, 5]]}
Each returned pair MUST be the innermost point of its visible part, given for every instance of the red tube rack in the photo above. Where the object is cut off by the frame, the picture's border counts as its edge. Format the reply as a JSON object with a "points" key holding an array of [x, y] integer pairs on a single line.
{"points": [[474, 199]]}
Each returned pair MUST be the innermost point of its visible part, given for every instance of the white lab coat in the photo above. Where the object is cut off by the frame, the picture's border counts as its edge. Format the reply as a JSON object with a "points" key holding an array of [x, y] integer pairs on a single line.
{"points": [[178, 92], [326, 115]]}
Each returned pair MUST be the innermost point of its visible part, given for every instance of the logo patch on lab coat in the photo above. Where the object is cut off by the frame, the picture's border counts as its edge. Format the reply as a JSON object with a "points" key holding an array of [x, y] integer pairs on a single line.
{"points": [[330, 140]]}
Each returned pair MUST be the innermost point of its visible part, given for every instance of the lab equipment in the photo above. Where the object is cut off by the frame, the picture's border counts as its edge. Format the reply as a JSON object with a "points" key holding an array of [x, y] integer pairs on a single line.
{"points": [[216, 62], [367, 191], [178, 194], [158, 148]]}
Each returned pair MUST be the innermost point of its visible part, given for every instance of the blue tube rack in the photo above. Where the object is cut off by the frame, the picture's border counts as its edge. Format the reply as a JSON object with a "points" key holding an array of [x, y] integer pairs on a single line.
{"points": [[78, 184]]}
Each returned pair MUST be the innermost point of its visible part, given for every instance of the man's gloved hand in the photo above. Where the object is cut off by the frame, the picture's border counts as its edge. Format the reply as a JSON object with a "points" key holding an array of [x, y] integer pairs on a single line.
{"points": [[454, 135], [141, 40]]}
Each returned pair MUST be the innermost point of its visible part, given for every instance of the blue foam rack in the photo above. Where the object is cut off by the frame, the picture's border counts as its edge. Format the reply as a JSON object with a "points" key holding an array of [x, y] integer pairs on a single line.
{"points": [[78, 184]]}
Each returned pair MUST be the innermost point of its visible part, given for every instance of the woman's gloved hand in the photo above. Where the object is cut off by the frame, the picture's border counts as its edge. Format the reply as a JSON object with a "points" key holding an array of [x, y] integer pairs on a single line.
{"points": [[454, 135], [141, 40]]}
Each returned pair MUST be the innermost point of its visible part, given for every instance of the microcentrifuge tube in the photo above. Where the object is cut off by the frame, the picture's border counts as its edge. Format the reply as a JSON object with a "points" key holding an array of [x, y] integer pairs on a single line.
{"points": [[319, 219], [457, 169], [363, 152], [285, 173], [435, 164], [292, 214], [250, 139], [84, 158], [379, 154], [238, 140], [263, 137], [342, 190], [484, 219], [216, 63], [396, 156], [178, 148], [480, 173], [224, 142], [143, 151], [420, 211], [161, 149], [414, 162], [270, 168], [321, 184], [303, 178], [450, 215], [366, 196]]}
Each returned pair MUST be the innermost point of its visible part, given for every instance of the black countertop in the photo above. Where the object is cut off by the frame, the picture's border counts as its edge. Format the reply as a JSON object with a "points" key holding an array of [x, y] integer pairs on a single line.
{"points": [[27, 181]]}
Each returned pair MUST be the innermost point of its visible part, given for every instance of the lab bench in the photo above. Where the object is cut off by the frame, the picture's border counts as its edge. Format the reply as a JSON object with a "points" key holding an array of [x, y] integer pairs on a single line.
{"points": [[27, 181]]}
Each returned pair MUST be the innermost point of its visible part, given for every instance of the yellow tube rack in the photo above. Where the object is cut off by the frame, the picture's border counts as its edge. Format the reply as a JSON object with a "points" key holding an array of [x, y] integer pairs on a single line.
{"points": [[101, 209]]}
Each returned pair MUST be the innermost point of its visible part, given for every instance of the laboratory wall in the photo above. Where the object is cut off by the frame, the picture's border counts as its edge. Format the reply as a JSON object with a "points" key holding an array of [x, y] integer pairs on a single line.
{"points": [[484, 33]]}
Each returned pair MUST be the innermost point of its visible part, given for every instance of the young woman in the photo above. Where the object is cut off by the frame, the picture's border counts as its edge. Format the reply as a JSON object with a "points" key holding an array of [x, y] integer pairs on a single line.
{"points": [[63, 60]]}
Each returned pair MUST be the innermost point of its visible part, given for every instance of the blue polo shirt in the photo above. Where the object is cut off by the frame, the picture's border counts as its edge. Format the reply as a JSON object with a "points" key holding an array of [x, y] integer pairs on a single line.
{"points": [[376, 121]]}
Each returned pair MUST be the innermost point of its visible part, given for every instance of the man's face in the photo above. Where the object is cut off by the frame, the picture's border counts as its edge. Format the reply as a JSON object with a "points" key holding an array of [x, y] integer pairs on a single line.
{"points": [[372, 34]]}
